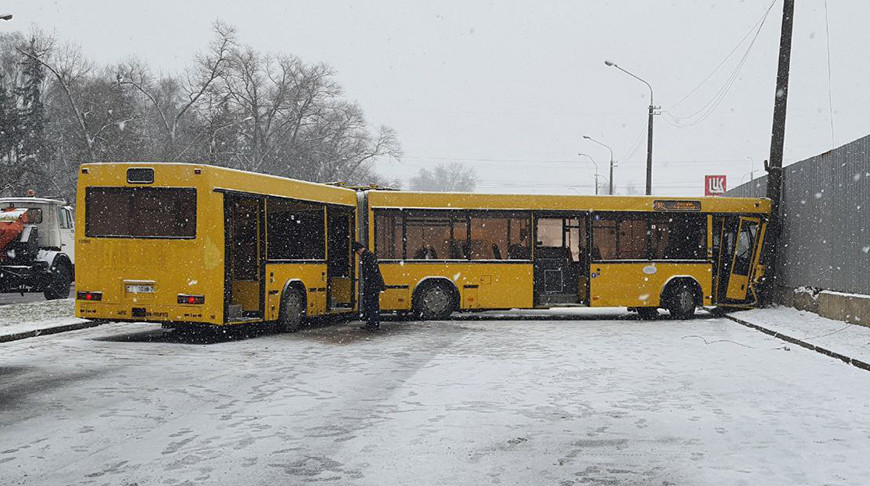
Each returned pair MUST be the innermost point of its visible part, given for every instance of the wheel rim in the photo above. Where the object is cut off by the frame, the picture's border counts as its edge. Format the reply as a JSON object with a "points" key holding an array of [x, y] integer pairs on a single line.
{"points": [[292, 310], [685, 301], [436, 300]]}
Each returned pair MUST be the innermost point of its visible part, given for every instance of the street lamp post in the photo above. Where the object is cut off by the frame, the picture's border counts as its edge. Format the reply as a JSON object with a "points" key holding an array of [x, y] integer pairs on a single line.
{"points": [[596, 171], [649, 140], [587, 137]]}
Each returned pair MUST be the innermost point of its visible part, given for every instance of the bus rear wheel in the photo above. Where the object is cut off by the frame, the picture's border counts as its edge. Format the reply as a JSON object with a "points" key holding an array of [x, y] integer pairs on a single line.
{"points": [[292, 314], [681, 303], [434, 301]]}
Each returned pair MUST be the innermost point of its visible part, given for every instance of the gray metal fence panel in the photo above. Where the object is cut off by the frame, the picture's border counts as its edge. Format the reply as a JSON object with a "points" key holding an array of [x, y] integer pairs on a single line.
{"points": [[825, 239]]}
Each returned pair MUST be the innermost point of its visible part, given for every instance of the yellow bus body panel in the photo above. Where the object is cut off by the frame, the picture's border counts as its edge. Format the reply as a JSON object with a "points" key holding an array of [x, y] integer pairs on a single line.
{"points": [[311, 275], [446, 200], [480, 285], [641, 284]]}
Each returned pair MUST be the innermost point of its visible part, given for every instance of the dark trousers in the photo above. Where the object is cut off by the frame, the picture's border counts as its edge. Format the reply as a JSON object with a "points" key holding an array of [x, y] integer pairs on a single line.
{"points": [[372, 307]]}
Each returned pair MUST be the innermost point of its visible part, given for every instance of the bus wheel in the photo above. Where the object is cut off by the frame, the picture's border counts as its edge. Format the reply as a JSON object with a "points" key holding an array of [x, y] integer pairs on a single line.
{"points": [[434, 301], [292, 313], [681, 303], [59, 282], [648, 313]]}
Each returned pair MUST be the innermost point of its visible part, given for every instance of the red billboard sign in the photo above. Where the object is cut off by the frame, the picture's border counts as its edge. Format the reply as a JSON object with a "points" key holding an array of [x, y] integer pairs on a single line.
{"points": [[714, 185]]}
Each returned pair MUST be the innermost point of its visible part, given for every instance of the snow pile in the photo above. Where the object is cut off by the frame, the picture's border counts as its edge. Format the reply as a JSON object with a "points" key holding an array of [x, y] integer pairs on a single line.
{"points": [[811, 292]]}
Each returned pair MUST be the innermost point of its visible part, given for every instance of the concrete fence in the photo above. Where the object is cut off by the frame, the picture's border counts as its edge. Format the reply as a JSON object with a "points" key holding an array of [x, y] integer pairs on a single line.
{"points": [[825, 240]]}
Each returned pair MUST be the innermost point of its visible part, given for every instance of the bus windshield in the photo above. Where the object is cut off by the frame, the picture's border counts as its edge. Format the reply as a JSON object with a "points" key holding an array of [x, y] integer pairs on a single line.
{"points": [[140, 212]]}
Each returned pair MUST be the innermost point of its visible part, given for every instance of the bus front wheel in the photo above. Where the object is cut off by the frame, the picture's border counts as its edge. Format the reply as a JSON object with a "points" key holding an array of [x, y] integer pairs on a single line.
{"points": [[434, 301], [292, 314], [681, 304]]}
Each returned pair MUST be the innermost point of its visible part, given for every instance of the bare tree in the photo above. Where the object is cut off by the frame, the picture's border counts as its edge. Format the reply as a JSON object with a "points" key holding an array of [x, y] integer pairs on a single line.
{"points": [[453, 177], [68, 68], [234, 107], [171, 98]]}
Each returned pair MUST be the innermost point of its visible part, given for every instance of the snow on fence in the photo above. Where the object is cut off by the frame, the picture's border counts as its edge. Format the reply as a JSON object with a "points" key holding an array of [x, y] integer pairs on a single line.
{"points": [[825, 241]]}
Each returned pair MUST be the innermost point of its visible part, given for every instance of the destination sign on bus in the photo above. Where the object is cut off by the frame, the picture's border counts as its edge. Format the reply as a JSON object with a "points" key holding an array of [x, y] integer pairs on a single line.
{"points": [[677, 205]]}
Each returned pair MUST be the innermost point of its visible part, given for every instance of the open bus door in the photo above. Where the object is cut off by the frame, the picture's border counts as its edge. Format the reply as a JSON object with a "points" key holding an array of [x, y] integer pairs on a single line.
{"points": [[561, 259], [744, 257], [244, 287], [339, 266]]}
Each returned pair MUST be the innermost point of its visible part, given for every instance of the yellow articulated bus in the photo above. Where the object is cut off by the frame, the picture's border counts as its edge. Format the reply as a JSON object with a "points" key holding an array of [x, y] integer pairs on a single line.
{"points": [[441, 252], [184, 243]]}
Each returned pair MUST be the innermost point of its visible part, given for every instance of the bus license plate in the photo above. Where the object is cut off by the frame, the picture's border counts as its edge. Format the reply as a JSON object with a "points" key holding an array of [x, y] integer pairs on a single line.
{"points": [[140, 289]]}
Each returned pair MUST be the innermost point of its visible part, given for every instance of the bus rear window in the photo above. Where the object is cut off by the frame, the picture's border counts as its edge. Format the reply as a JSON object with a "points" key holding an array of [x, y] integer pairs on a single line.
{"points": [[140, 212]]}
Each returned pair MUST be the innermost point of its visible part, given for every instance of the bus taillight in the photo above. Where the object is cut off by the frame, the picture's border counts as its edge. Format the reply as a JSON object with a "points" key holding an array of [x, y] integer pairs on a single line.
{"points": [[191, 299], [91, 296]]}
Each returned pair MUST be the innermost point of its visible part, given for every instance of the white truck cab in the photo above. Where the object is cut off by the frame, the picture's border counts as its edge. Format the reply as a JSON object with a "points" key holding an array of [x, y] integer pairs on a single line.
{"points": [[51, 268]]}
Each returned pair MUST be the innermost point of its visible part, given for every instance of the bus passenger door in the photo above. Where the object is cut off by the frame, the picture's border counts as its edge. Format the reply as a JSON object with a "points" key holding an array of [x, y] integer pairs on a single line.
{"points": [[339, 265], [560, 260], [744, 255], [244, 280]]}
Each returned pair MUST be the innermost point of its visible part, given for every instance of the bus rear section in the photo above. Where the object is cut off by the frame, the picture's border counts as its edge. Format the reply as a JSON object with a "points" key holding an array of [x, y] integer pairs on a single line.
{"points": [[181, 243], [143, 252]]}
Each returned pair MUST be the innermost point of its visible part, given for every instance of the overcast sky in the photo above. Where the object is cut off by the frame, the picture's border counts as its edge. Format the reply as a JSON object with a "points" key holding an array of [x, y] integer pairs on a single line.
{"points": [[509, 88]]}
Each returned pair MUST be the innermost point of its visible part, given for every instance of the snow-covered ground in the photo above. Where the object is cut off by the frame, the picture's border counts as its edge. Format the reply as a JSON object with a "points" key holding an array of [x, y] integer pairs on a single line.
{"points": [[612, 400], [18, 318], [847, 339]]}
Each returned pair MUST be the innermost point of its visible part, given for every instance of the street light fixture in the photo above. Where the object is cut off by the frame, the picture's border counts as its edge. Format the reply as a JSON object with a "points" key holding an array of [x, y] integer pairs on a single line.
{"points": [[597, 175], [6, 17], [587, 137], [649, 140]]}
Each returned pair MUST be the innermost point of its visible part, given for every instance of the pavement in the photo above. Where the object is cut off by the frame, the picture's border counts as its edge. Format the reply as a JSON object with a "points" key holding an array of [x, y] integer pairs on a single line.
{"points": [[18, 298], [847, 342], [31, 319], [604, 399]]}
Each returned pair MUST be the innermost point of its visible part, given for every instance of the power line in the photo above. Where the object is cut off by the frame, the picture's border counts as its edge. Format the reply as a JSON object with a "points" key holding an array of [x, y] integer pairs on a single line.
{"points": [[552, 161], [710, 107], [722, 63], [830, 94]]}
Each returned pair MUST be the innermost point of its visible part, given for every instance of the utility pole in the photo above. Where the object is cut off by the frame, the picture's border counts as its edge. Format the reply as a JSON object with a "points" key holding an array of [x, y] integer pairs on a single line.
{"points": [[649, 139], [612, 162], [596, 176], [649, 147], [777, 140]]}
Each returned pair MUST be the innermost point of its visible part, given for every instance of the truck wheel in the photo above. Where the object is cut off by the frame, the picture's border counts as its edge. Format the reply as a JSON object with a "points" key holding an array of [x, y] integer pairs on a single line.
{"points": [[292, 314], [59, 282], [681, 305], [434, 301]]}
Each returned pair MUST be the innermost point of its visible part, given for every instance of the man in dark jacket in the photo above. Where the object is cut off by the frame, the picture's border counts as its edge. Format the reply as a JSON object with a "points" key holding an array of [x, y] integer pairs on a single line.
{"points": [[372, 286]]}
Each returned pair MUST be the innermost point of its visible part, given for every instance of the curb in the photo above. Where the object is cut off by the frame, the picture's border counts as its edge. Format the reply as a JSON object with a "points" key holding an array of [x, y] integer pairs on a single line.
{"points": [[827, 352], [49, 330]]}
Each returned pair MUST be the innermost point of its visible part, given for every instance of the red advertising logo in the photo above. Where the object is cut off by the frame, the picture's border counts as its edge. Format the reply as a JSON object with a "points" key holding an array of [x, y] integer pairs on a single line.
{"points": [[714, 185]]}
